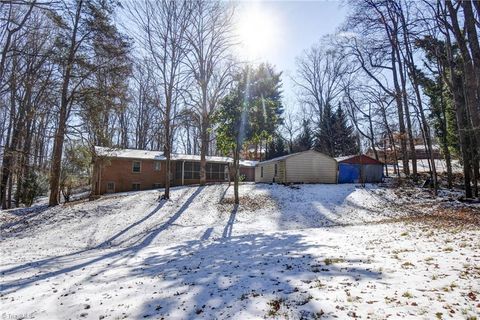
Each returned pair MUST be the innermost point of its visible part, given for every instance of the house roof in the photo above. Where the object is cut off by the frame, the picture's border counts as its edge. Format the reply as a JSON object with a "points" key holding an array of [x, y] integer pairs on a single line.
{"points": [[287, 156], [153, 155], [248, 163], [356, 158]]}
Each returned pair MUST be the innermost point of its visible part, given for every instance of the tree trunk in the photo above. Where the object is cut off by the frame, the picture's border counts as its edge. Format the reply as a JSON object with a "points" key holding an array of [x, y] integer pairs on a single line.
{"points": [[56, 166], [203, 154], [411, 142], [236, 175], [460, 116], [401, 120]]}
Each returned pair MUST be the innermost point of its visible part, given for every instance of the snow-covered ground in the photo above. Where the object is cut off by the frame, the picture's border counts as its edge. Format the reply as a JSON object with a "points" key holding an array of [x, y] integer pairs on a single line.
{"points": [[422, 166], [298, 253]]}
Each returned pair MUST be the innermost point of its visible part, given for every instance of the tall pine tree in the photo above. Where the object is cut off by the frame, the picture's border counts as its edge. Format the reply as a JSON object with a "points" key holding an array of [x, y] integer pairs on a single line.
{"points": [[305, 140], [334, 136], [345, 141]]}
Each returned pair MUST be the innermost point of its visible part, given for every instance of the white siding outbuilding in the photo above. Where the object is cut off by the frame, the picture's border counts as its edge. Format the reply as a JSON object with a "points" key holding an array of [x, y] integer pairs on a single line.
{"points": [[302, 167]]}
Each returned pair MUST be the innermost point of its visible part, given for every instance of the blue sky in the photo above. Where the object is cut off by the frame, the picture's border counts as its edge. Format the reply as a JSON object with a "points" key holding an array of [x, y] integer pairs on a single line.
{"points": [[297, 25]]}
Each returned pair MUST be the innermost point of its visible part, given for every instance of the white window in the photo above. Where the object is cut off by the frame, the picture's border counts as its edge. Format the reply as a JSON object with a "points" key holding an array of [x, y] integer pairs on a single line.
{"points": [[136, 166], [110, 187], [157, 185], [135, 186], [157, 165]]}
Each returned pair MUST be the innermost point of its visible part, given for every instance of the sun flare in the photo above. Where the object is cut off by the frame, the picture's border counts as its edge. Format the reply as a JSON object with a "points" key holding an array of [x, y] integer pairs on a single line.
{"points": [[257, 31]]}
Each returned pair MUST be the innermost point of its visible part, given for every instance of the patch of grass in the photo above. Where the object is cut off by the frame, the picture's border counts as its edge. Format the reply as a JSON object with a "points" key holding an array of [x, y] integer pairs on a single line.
{"points": [[438, 315], [407, 265], [448, 249], [429, 234], [404, 234], [275, 306], [397, 251], [428, 259], [318, 284], [330, 261], [353, 299], [305, 300], [434, 277], [449, 288], [407, 295]]}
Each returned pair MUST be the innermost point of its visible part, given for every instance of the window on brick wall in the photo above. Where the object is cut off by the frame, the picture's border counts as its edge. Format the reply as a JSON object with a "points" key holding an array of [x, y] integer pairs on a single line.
{"points": [[110, 187], [136, 166], [135, 186], [157, 165]]}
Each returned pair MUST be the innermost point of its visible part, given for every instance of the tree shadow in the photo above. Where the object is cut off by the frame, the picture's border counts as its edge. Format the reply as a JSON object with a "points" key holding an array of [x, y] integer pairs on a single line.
{"points": [[316, 205], [227, 231], [81, 259], [24, 216], [224, 277]]}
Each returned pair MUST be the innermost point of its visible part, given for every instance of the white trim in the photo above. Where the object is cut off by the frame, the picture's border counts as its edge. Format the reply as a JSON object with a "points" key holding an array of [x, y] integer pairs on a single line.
{"points": [[183, 172], [140, 171]]}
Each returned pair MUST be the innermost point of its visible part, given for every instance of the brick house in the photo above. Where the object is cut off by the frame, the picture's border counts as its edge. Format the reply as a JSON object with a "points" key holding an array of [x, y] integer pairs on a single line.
{"points": [[120, 170]]}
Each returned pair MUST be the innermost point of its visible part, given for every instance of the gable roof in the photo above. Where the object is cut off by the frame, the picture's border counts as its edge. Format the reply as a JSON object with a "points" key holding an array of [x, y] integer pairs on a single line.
{"points": [[357, 158], [289, 156], [248, 163], [153, 155]]}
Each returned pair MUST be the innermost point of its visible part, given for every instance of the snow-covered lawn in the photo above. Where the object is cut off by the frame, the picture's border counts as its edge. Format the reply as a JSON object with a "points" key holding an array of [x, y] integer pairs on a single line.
{"points": [[422, 166], [299, 253]]}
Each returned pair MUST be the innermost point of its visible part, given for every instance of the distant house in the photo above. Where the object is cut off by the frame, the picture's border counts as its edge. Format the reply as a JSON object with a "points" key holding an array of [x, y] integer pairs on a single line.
{"points": [[302, 167], [119, 170], [247, 169], [359, 168]]}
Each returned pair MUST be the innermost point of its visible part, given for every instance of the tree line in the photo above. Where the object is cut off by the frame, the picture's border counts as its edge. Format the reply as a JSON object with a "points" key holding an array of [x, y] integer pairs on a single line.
{"points": [[404, 71], [163, 75]]}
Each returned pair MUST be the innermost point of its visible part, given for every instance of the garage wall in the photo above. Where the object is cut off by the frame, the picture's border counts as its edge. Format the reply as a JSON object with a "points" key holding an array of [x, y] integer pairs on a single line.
{"points": [[372, 173], [268, 172], [311, 167]]}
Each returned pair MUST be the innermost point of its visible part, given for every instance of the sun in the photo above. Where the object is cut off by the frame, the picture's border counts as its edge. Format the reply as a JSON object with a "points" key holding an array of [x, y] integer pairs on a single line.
{"points": [[257, 31]]}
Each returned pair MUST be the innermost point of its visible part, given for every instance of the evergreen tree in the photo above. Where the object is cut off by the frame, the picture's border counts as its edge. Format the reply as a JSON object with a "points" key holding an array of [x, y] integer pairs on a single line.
{"points": [[345, 140], [251, 111], [265, 105], [324, 138], [276, 147], [305, 139], [335, 137]]}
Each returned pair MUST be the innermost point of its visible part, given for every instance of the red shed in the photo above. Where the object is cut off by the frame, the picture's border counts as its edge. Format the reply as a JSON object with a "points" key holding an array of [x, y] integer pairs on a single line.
{"points": [[359, 168], [358, 159]]}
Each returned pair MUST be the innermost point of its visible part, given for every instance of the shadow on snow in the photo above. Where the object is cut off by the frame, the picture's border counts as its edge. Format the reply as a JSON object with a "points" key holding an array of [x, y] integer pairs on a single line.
{"points": [[215, 279], [77, 260]]}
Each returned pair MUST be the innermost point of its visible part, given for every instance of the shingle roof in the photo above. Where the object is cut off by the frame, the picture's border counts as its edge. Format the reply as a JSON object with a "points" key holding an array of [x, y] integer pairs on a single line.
{"points": [[286, 156], [152, 155], [353, 156], [248, 163]]}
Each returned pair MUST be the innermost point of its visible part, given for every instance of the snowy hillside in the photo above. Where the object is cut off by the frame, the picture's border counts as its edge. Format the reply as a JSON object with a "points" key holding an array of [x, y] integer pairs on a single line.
{"points": [[306, 252]]}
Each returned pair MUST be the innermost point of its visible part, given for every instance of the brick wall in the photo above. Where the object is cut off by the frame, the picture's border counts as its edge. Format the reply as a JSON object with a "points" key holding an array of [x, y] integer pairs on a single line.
{"points": [[119, 171]]}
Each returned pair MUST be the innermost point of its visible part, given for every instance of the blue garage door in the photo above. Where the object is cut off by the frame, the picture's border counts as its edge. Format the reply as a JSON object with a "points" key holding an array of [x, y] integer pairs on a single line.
{"points": [[348, 173]]}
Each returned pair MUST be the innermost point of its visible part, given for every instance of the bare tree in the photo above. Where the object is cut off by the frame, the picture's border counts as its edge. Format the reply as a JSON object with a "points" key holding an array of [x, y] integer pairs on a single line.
{"points": [[209, 38], [320, 73], [162, 28]]}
